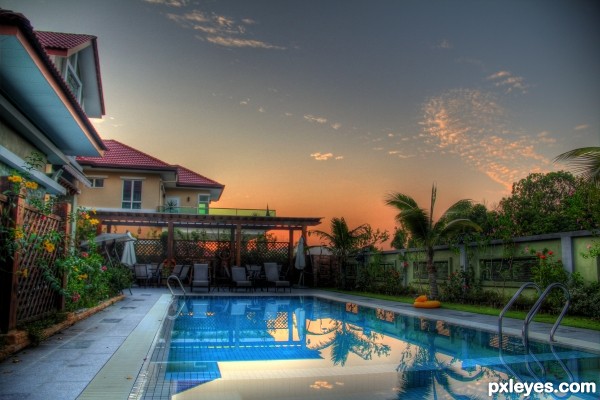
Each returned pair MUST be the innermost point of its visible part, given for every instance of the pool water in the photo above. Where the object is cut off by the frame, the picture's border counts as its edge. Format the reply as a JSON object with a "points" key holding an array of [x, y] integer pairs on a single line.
{"points": [[309, 347]]}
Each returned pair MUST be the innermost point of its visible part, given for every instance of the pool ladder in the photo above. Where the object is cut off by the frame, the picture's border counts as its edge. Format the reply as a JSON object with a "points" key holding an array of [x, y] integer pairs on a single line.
{"points": [[535, 308], [174, 300], [176, 278], [525, 330]]}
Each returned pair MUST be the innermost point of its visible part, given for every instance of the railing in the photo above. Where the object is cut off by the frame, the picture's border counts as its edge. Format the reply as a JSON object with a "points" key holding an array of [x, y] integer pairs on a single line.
{"points": [[245, 212]]}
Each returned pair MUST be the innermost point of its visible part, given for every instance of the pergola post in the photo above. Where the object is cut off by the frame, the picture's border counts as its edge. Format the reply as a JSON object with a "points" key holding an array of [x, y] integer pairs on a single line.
{"points": [[170, 240], [238, 244], [291, 249]]}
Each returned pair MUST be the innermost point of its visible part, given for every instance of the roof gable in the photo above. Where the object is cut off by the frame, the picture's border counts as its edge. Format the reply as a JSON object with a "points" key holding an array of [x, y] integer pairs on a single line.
{"points": [[63, 44], [121, 156], [52, 107], [185, 177]]}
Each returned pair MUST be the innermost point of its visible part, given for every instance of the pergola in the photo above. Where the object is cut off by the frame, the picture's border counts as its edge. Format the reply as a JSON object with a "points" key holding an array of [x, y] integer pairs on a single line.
{"points": [[236, 224]]}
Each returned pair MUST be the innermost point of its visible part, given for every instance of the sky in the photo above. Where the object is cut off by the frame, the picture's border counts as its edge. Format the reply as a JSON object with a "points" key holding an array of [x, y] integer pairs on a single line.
{"points": [[321, 108]]}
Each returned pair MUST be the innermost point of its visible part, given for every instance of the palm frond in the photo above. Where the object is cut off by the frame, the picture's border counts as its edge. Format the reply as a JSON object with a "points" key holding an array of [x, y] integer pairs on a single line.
{"points": [[584, 161], [460, 225]]}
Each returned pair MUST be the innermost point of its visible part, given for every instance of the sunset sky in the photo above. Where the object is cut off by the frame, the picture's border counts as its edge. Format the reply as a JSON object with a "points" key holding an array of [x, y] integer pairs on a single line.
{"points": [[319, 108]]}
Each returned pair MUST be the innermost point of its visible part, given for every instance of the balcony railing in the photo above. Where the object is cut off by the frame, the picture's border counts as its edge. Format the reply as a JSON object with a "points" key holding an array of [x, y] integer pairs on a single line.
{"points": [[245, 212]]}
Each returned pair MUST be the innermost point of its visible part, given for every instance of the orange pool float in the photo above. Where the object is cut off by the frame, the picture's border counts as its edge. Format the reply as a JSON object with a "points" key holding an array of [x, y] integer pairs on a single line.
{"points": [[422, 302], [427, 304]]}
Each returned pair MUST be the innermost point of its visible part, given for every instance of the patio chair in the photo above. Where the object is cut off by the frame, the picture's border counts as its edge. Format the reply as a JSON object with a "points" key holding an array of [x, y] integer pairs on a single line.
{"points": [[200, 277], [183, 274], [240, 279], [142, 275], [177, 269], [272, 273]]}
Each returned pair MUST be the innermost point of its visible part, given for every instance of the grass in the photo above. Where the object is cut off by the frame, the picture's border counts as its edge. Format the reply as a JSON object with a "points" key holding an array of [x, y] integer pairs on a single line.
{"points": [[574, 321]]}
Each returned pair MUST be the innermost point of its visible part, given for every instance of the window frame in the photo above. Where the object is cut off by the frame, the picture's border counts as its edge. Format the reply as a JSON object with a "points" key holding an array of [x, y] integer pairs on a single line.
{"points": [[131, 200]]}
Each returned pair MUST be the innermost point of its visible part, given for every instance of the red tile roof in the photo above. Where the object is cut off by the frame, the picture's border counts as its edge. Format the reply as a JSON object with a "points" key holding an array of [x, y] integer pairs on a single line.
{"points": [[63, 41], [119, 155], [190, 178]]}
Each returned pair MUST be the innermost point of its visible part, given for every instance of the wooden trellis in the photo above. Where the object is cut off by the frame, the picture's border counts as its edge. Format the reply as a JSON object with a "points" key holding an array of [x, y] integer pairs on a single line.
{"points": [[26, 292]]}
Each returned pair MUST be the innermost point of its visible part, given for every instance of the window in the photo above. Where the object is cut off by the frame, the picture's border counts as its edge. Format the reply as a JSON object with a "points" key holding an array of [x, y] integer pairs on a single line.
{"points": [[501, 269], [132, 194], [97, 182], [203, 201], [72, 76], [420, 269]]}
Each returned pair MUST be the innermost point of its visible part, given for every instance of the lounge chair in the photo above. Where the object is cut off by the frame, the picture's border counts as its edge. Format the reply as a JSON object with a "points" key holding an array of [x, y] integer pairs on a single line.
{"points": [[273, 279], [240, 279], [200, 277]]}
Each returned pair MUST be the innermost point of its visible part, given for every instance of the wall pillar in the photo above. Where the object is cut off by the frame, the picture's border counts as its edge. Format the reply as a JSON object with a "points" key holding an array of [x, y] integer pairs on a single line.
{"points": [[566, 248]]}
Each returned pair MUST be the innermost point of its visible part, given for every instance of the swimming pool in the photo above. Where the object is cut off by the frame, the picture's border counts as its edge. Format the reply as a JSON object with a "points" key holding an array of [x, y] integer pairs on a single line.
{"points": [[301, 347]]}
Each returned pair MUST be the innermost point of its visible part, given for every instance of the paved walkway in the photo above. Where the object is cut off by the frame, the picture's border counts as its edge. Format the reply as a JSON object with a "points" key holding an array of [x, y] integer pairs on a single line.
{"points": [[102, 356]]}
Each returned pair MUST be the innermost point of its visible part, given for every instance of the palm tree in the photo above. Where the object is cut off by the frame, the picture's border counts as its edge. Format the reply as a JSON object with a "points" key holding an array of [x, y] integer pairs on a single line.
{"points": [[419, 224], [585, 161], [344, 242]]}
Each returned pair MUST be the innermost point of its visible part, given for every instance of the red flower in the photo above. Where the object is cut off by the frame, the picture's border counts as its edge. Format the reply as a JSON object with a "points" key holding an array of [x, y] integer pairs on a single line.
{"points": [[75, 298], [104, 268], [84, 254], [550, 252]]}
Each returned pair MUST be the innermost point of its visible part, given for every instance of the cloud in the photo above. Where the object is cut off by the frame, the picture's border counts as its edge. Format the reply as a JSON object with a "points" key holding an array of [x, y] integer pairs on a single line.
{"points": [[444, 44], [170, 3], [473, 125], [509, 82], [581, 127], [336, 125], [325, 156], [544, 137], [318, 120], [217, 29]]}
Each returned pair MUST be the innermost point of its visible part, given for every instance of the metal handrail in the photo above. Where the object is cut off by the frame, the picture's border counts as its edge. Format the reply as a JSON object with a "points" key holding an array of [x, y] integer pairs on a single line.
{"points": [[538, 304], [510, 303], [178, 281]]}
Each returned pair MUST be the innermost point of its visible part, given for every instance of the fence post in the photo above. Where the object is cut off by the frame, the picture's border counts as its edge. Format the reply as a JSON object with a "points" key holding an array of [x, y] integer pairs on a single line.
{"points": [[9, 283]]}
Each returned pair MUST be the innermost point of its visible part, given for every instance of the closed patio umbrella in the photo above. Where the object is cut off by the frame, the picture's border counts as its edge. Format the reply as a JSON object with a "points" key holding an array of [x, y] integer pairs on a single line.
{"points": [[128, 258]]}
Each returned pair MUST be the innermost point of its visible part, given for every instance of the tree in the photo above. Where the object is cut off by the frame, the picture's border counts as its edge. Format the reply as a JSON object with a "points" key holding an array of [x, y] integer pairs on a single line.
{"points": [[584, 161], [345, 242], [419, 225], [547, 203]]}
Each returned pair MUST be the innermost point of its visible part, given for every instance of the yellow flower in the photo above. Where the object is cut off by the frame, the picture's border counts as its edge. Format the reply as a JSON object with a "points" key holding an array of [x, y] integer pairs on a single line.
{"points": [[94, 221], [19, 234], [49, 246], [82, 277], [31, 185], [15, 179], [25, 273]]}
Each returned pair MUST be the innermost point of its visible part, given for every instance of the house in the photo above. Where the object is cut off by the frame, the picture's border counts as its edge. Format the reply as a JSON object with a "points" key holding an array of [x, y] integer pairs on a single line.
{"points": [[49, 88], [124, 178]]}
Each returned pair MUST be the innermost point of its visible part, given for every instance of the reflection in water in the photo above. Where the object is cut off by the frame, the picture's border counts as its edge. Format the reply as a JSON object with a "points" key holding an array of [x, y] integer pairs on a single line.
{"points": [[286, 347]]}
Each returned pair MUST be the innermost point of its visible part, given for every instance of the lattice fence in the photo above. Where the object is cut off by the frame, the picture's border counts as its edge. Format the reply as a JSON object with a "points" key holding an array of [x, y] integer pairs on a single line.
{"points": [[188, 251], [28, 266], [36, 296]]}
